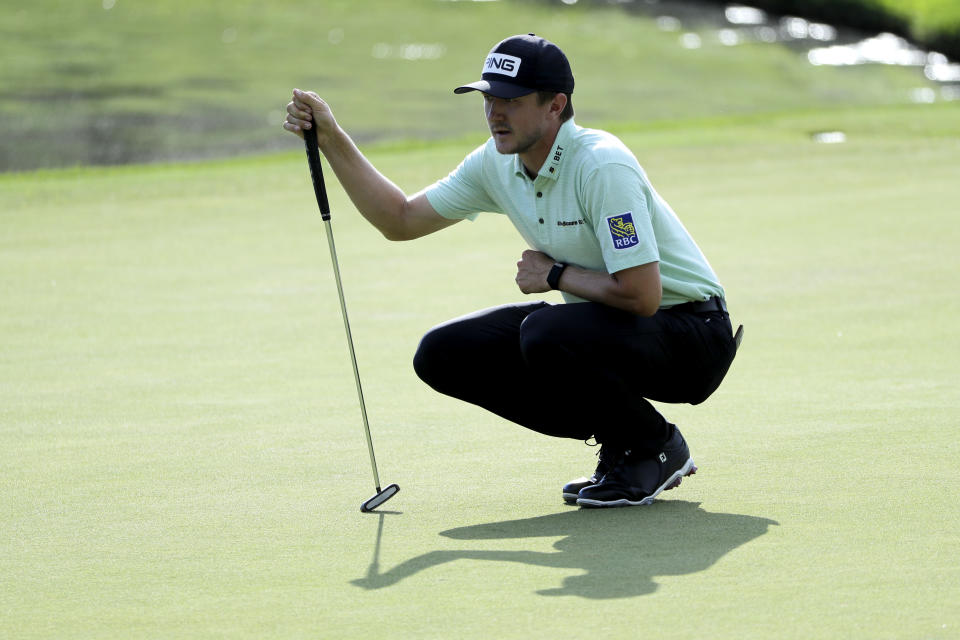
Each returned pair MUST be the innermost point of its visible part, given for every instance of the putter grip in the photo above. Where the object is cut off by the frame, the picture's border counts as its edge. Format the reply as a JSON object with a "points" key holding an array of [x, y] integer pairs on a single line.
{"points": [[316, 173]]}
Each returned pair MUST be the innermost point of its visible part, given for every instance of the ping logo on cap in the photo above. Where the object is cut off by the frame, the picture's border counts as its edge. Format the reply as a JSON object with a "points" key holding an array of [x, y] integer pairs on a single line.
{"points": [[622, 231], [502, 64]]}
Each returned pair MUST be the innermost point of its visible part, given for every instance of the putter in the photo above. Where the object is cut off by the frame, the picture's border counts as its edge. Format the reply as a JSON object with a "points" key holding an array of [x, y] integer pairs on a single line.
{"points": [[320, 189]]}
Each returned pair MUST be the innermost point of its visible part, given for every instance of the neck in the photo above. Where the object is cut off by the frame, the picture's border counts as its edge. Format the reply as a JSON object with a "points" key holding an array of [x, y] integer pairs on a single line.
{"points": [[534, 157]]}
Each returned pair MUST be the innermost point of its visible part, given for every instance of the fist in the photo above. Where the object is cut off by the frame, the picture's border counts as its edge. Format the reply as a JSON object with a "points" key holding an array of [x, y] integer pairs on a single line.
{"points": [[308, 111], [532, 271]]}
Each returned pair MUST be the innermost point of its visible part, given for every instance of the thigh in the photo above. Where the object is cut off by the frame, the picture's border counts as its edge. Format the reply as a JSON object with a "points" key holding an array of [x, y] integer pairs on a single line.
{"points": [[475, 345], [590, 331], [666, 357], [496, 327], [477, 358]]}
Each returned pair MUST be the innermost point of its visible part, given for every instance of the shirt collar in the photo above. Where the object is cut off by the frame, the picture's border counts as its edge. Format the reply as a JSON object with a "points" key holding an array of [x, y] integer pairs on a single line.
{"points": [[551, 167]]}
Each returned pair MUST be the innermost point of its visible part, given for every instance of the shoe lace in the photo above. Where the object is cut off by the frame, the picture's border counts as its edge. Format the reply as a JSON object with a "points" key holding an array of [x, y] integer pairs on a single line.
{"points": [[609, 457]]}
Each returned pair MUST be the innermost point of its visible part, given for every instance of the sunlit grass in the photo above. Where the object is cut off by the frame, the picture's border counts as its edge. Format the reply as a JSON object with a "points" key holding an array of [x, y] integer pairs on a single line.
{"points": [[182, 450]]}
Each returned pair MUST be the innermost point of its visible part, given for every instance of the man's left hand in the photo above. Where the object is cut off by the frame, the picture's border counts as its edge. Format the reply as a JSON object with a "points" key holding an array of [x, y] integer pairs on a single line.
{"points": [[532, 271]]}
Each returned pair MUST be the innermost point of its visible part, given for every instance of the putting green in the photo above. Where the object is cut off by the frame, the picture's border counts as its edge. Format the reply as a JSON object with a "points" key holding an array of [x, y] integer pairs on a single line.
{"points": [[182, 451]]}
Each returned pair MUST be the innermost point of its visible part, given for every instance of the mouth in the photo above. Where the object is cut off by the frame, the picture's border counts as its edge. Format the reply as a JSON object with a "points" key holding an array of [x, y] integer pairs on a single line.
{"points": [[499, 131]]}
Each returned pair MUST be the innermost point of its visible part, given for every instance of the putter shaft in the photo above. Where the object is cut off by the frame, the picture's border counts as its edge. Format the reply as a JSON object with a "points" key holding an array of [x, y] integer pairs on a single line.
{"points": [[320, 190], [353, 356]]}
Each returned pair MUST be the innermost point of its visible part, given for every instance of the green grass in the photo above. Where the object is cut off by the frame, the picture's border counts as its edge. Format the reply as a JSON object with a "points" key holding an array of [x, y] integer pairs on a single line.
{"points": [[182, 451], [927, 18], [178, 80]]}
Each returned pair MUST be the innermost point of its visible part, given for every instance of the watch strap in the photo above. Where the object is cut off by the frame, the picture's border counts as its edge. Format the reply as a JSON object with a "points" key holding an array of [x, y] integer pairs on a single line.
{"points": [[553, 278]]}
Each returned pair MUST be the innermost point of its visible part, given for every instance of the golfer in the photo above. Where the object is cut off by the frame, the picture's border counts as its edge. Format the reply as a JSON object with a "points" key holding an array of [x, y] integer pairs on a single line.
{"points": [[644, 316]]}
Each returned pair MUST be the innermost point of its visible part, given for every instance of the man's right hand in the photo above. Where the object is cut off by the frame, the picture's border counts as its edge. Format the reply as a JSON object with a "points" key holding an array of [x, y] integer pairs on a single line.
{"points": [[308, 111]]}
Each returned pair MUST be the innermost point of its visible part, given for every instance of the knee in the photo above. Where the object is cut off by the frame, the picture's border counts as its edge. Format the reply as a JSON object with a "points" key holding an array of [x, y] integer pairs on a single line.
{"points": [[539, 338], [428, 361]]}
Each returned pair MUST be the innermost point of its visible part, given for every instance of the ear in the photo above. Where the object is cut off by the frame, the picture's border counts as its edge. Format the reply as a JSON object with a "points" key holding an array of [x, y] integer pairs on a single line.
{"points": [[558, 104]]}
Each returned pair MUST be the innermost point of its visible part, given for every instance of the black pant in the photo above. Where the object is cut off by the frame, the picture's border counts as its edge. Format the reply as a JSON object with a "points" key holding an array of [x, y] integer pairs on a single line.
{"points": [[579, 370]]}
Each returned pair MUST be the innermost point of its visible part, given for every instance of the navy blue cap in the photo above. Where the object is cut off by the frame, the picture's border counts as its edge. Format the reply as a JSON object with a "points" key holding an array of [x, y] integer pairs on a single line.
{"points": [[520, 65]]}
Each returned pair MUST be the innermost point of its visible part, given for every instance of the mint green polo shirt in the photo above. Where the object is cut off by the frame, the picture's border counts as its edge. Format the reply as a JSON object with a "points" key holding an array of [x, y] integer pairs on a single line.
{"points": [[591, 205]]}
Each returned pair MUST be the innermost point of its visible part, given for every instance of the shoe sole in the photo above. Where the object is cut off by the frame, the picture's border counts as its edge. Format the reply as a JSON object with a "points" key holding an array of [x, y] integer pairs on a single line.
{"points": [[688, 469], [571, 498]]}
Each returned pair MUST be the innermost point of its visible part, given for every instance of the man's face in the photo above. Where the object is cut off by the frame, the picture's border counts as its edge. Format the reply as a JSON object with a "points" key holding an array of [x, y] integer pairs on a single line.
{"points": [[516, 124]]}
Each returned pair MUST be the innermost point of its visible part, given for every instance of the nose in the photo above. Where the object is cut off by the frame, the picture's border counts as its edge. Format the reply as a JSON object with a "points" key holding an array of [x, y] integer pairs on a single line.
{"points": [[494, 108]]}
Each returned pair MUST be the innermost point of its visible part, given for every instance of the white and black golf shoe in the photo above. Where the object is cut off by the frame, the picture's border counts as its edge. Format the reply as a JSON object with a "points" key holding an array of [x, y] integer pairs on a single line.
{"points": [[635, 480]]}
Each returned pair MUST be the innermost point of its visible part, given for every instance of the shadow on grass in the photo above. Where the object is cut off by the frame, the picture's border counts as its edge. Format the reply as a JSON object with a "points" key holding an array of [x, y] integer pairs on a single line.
{"points": [[617, 553]]}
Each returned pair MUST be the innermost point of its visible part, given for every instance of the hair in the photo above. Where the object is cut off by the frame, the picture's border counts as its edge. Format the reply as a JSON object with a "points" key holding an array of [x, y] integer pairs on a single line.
{"points": [[544, 97]]}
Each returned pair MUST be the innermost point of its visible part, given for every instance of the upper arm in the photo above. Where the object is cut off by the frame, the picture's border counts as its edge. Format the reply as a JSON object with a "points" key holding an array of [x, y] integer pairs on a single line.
{"points": [[419, 219], [641, 285], [614, 199], [464, 193]]}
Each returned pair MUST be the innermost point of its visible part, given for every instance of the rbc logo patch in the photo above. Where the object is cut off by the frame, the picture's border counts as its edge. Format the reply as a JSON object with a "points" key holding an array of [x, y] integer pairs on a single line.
{"points": [[622, 231]]}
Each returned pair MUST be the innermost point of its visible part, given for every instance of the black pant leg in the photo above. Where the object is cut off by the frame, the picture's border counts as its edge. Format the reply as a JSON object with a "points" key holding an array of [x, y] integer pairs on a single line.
{"points": [[607, 364], [477, 358], [578, 370]]}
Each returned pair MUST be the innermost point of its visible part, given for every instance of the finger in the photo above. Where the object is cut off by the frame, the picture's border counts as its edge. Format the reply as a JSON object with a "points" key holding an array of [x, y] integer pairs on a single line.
{"points": [[309, 95], [293, 128], [305, 97], [300, 99], [298, 123], [302, 107], [298, 113], [310, 100]]}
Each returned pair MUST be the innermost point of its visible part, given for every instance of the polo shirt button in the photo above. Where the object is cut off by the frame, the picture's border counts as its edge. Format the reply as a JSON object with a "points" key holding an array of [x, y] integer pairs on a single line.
{"points": [[539, 194], [552, 169], [541, 220]]}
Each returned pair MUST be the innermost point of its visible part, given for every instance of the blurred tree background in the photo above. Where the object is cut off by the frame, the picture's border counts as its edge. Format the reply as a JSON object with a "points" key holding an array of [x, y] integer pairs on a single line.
{"points": [[101, 82], [933, 24]]}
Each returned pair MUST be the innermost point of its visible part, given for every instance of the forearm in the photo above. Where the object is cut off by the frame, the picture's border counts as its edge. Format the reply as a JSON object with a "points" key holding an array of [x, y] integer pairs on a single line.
{"points": [[608, 289], [377, 199], [635, 289]]}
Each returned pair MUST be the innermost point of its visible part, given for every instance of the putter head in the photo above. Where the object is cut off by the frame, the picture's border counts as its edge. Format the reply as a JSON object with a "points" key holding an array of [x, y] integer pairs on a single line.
{"points": [[382, 496]]}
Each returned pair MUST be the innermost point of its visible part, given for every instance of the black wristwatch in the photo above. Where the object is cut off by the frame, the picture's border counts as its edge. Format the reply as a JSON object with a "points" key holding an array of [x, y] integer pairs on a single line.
{"points": [[553, 278]]}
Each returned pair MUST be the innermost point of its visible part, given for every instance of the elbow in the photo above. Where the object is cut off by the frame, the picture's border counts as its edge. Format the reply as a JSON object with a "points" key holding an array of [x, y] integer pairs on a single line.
{"points": [[645, 306], [639, 289], [644, 309], [396, 228], [395, 235]]}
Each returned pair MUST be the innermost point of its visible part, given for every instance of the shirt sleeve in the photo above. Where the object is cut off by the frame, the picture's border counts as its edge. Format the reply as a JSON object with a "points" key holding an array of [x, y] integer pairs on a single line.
{"points": [[617, 206], [463, 193]]}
